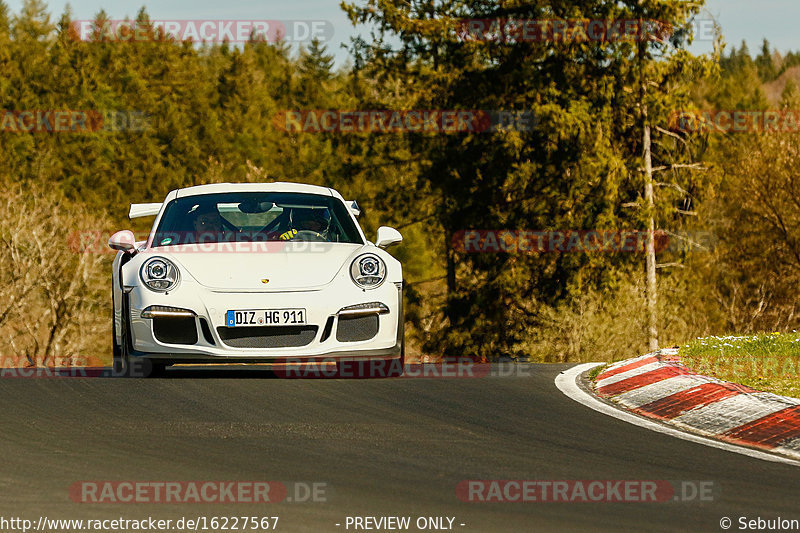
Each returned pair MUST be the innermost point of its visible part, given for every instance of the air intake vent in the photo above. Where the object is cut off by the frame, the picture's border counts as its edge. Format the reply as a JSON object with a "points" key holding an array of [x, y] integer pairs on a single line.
{"points": [[207, 332], [356, 328], [267, 336], [175, 330]]}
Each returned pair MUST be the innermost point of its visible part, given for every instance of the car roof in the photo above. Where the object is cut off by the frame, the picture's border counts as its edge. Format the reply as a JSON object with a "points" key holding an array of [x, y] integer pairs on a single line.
{"points": [[278, 186]]}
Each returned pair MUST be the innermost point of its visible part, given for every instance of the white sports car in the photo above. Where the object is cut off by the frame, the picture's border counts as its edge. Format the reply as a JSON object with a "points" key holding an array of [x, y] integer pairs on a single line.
{"points": [[254, 272]]}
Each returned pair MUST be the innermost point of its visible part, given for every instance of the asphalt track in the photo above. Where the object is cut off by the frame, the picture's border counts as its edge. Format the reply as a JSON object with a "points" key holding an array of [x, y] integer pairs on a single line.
{"points": [[384, 447]]}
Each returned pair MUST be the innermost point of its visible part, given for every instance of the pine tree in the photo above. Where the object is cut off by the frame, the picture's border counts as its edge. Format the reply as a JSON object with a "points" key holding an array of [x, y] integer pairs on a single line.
{"points": [[315, 70], [767, 70]]}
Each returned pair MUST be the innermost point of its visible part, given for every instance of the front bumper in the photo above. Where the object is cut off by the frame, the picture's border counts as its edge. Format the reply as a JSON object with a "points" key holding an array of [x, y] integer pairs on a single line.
{"points": [[215, 343]]}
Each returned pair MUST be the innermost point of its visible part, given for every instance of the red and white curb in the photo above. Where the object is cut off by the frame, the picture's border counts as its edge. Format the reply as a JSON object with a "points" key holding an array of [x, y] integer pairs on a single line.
{"points": [[658, 386], [570, 382]]}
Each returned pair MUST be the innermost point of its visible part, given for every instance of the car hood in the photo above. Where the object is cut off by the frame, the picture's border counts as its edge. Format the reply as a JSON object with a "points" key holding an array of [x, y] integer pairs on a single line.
{"points": [[263, 267]]}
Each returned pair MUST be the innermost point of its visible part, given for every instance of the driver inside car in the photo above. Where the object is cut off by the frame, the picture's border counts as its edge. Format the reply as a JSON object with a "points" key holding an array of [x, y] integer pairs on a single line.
{"points": [[207, 223], [314, 220]]}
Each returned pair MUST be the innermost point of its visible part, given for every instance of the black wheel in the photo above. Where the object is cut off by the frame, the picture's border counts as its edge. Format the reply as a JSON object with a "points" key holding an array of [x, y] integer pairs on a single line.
{"points": [[398, 366], [121, 352], [124, 366], [119, 360]]}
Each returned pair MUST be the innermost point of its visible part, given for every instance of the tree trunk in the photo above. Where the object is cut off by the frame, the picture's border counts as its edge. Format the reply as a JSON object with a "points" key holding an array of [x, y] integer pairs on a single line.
{"points": [[650, 261], [451, 263], [650, 250]]}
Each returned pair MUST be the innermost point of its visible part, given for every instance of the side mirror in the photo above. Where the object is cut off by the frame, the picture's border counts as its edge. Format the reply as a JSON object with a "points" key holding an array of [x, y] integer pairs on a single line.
{"points": [[387, 236], [124, 241]]}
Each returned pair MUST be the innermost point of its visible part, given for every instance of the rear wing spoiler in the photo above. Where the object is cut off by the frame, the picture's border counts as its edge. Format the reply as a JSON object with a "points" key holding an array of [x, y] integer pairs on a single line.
{"points": [[144, 210]]}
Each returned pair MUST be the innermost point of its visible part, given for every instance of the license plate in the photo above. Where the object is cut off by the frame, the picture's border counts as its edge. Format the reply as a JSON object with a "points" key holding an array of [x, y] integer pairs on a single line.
{"points": [[265, 317]]}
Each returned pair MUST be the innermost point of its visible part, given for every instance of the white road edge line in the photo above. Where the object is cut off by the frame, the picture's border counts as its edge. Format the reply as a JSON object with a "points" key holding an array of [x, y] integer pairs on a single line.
{"points": [[567, 382]]}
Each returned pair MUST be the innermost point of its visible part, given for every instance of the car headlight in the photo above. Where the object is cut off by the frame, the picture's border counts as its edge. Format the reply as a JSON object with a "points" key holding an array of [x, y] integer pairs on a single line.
{"points": [[159, 274], [368, 271]]}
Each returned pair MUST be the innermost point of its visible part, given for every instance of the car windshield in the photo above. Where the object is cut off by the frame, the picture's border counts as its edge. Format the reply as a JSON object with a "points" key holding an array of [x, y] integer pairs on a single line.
{"points": [[255, 216]]}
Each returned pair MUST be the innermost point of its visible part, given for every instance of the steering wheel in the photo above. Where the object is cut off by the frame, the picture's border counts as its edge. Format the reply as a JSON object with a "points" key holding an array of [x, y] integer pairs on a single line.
{"points": [[308, 235]]}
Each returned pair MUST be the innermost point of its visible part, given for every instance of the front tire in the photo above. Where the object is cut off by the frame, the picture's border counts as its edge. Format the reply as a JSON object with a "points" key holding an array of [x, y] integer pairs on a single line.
{"points": [[121, 363], [119, 359], [118, 364], [397, 369], [121, 366]]}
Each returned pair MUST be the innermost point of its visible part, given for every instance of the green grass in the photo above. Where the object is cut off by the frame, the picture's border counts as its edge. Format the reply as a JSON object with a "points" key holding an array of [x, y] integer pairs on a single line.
{"points": [[596, 372], [768, 361]]}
